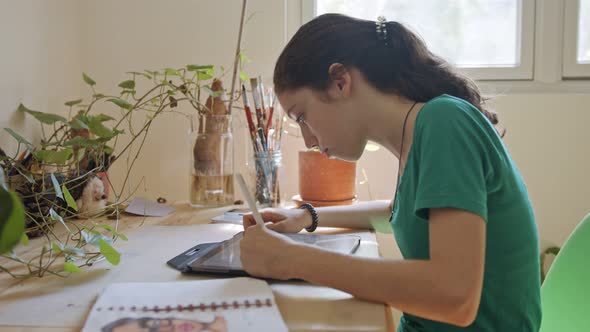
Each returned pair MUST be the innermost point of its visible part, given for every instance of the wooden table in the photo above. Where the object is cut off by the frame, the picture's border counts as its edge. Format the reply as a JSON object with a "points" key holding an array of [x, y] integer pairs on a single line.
{"points": [[61, 304]]}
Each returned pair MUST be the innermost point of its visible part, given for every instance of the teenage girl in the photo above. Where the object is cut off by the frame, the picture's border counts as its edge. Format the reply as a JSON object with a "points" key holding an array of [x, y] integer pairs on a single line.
{"points": [[461, 214]]}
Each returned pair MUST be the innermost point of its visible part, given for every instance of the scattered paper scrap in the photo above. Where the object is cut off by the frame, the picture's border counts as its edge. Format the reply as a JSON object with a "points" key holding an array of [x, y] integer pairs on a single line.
{"points": [[143, 207]]}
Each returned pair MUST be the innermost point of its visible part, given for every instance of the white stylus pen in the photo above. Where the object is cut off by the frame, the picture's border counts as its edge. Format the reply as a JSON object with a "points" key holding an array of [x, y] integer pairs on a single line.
{"points": [[249, 199]]}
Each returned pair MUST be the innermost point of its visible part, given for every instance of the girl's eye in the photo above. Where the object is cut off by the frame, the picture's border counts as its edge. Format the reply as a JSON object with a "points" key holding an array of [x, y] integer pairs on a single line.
{"points": [[300, 119]]}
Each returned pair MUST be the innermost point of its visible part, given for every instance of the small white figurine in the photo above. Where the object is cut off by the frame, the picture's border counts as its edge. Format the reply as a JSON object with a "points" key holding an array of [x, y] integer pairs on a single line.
{"points": [[93, 199]]}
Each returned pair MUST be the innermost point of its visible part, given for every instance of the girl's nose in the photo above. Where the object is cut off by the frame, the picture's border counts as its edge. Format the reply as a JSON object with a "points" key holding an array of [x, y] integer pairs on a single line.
{"points": [[308, 138]]}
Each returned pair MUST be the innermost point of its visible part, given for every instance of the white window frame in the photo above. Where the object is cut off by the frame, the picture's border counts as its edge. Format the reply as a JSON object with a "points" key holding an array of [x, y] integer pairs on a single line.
{"points": [[523, 71], [571, 67], [548, 50]]}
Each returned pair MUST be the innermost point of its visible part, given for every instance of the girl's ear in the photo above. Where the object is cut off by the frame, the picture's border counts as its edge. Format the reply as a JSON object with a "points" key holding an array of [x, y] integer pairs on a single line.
{"points": [[340, 81]]}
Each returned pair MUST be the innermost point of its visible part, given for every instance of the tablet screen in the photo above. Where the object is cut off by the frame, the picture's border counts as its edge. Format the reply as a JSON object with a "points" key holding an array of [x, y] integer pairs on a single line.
{"points": [[226, 255]]}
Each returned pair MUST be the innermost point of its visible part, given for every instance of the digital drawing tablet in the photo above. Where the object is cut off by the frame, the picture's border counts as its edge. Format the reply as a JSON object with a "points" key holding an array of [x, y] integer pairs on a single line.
{"points": [[223, 258]]}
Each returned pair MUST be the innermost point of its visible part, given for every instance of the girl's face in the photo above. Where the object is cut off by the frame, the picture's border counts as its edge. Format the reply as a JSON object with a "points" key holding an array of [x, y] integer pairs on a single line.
{"points": [[327, 120]]}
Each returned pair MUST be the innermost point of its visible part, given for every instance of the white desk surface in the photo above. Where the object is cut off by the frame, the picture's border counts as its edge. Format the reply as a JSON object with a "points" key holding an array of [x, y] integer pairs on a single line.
{"points": [[62, 304]]}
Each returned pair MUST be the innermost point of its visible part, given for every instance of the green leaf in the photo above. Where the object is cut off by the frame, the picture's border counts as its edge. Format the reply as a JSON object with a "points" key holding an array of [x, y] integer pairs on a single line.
{"points": [[3, 184], [89, 238], [96, 126], [56, 247], [56, 217], [12, 220], [103, 117], [46, 118], [19, 138], [121, 103], [73, 102], [98, 95], [88, 80], [211, 92], [80, 154], [113, 231], [81, 141], [198, 67], [54, 157], [129, 84], [70, 267], [243, 76], [69, 199], [24, 240], [108, 150], [100, 235], [58, 192], [81, 116], [171, 72], [100, 130], [78, 124], [112, 255], [204, 76], [244, 58], [205, 73], [74, 251]]}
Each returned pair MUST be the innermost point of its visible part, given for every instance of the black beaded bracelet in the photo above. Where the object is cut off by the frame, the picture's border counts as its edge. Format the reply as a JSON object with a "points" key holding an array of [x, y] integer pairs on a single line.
{"points": [[314, 216]]}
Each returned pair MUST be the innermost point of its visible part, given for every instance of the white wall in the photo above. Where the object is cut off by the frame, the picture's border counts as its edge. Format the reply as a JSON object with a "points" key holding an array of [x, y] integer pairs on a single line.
{"points": [[549, 139], [45, 48], [134, 35], [39, 62]]}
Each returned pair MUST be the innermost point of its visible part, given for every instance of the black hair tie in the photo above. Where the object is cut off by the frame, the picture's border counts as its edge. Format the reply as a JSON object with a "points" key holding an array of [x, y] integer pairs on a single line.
{"points": [[314, 216]]}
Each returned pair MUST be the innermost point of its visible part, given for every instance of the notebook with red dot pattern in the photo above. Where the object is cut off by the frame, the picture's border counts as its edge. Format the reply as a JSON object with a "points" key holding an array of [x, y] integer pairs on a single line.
{"points": [[222, 305]]}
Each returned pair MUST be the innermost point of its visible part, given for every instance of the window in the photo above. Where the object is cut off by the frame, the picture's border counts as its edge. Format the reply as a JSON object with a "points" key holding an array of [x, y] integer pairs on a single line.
{"points": [[576, 54], [453, 29], [584, 32]]}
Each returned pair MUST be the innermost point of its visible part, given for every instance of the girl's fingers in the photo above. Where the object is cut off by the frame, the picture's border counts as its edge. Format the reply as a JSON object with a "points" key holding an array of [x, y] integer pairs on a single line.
{"points": [[267, 216]]}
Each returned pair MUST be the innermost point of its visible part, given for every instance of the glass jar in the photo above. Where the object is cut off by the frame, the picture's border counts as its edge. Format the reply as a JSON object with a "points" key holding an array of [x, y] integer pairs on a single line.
{"points": [[211, 162], [267, 167]]}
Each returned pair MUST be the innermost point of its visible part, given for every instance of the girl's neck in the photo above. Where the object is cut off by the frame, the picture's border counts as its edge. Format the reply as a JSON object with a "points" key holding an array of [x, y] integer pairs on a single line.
{"points": [[385, 114]]}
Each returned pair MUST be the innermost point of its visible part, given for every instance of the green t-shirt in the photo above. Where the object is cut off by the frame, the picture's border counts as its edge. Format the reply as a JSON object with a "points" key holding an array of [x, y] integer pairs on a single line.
{"points": [[458, 160]]}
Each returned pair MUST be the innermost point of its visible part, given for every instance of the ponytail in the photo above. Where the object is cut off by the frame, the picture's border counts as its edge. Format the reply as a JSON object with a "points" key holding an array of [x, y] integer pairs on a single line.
{"points": [[403, 65]]}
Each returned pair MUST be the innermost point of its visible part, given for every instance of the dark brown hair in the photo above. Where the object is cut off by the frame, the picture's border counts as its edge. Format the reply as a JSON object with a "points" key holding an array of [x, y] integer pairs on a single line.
{"points": [[402, 64]]}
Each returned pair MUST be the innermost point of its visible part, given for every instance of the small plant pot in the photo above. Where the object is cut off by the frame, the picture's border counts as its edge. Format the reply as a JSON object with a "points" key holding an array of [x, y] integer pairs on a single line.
{"points": [[326, 180]]}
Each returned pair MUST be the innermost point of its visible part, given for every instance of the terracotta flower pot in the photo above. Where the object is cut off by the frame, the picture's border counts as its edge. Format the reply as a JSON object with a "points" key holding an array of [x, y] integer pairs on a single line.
{"points": [[326, 180]]}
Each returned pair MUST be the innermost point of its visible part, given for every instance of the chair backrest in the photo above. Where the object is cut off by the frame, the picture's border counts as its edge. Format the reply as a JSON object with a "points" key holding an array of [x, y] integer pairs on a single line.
{"points": [[565, 294]]}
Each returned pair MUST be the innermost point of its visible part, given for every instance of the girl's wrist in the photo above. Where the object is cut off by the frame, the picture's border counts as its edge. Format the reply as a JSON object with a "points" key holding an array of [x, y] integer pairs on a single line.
{"points": [[306, 218], [295, 262]]}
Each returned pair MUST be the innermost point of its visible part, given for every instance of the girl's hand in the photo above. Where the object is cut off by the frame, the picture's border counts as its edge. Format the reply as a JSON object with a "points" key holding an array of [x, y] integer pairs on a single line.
{"points": [[265, 253], [283, 220]]}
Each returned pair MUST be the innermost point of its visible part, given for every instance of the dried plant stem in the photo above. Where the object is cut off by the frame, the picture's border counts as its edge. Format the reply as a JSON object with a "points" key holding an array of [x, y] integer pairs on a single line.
{"points": [[237, 55]]}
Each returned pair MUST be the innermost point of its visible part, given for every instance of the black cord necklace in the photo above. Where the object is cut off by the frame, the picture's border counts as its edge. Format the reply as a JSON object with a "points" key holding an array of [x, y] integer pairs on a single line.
{"points": [[401, 152]]}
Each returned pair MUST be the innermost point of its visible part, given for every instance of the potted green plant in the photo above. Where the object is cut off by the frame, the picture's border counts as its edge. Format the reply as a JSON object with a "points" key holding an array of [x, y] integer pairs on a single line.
{"points": [[52, 177]]}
